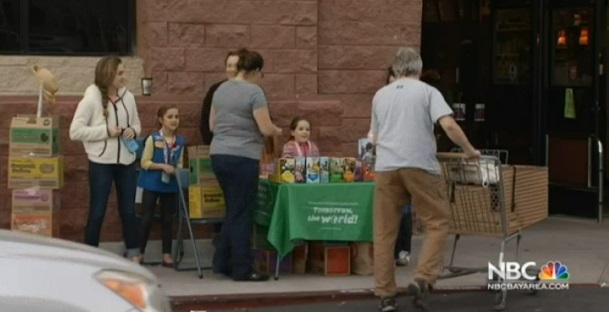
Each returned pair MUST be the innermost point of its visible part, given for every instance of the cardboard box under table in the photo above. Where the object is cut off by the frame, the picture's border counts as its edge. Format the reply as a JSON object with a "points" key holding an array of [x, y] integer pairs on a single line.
{"points": [[330, 260], [362, 258], [44, 172], [31, 136]]}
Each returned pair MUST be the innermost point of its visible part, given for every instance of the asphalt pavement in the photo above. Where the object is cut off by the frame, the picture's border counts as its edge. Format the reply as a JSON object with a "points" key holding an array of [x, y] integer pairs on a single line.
{"points": [[578, 299]]}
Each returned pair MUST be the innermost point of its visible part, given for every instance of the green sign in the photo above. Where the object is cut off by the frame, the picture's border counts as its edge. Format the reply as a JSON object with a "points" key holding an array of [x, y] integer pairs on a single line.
{"points": [[267, 192], [327, 211]]}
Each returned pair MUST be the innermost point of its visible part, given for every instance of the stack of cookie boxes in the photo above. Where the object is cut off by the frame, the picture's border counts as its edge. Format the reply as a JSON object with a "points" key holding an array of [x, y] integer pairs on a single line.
{"points": [[319, 170], [35, 174], [205, 198]]}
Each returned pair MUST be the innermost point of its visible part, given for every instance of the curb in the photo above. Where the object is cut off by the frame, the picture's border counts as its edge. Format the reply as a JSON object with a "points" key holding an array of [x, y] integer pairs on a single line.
{"points": [[234, 301]]}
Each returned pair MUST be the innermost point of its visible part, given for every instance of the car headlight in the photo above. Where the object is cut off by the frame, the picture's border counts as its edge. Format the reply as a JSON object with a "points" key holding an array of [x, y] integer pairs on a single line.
{"points": [[134, 288]]}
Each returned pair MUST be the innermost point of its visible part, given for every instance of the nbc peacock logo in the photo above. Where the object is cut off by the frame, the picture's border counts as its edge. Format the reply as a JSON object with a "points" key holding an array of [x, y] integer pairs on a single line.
{"points": [[554, 271]]}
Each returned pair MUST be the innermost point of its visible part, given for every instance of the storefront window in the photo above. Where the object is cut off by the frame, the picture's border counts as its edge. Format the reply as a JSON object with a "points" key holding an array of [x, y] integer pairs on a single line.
{"points": [[572, 43], [66, 27], [512, 51]]}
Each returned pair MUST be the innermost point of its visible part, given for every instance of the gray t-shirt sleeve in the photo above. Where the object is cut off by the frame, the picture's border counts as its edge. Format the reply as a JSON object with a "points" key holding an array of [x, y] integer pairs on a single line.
{"points": [[258, 99], [373, 118], [437, 105]]}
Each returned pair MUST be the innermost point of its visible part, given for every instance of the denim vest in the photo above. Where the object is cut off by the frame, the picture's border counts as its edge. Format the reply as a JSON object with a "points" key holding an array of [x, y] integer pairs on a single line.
{"points": [[151, 179]]}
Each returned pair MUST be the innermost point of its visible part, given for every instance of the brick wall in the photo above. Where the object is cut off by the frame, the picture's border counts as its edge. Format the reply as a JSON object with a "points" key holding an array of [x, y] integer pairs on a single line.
{"points": [[323, 59]]}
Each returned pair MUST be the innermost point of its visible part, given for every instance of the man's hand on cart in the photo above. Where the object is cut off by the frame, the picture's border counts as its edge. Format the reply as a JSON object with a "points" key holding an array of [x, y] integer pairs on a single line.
{"points": [[473, 153]]}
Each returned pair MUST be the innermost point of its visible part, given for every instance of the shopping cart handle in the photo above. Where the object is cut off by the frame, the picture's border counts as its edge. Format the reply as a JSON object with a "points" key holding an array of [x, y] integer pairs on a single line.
{"points": [[446, 155]]}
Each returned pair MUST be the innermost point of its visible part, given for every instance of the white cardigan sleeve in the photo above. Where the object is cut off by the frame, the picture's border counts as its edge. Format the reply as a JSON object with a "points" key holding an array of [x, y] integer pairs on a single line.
{"points": [[80, 130], [135, 119]]}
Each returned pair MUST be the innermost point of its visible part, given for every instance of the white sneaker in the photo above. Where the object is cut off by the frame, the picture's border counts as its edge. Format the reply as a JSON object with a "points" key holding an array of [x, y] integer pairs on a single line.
{"points": [[403, 258]]}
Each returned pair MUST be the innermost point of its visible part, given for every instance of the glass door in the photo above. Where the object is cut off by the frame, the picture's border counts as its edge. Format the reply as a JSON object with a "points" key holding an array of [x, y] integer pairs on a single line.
{"points": [[511, 101], [572, 107]]}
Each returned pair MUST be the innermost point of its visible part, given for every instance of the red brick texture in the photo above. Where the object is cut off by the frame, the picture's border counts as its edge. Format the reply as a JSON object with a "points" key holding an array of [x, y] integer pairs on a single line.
{"points": [[324, 59]]}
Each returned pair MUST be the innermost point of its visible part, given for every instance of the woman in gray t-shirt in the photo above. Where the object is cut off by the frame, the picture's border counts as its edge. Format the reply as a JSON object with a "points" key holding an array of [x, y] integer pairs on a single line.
{"points": [[239, 119]]}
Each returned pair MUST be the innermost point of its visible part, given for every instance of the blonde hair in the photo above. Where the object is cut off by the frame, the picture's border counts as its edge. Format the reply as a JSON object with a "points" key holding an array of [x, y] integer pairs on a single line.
{"points": [[105, 71]]}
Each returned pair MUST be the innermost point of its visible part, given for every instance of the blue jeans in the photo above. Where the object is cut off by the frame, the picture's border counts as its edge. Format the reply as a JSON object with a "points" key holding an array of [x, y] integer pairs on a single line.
{"points": [[101, 177], [404, 239], [238, 178]]}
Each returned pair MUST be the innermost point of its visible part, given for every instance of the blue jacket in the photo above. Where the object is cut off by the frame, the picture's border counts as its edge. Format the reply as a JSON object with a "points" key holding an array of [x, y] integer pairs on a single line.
{"points": [[151, 179]]}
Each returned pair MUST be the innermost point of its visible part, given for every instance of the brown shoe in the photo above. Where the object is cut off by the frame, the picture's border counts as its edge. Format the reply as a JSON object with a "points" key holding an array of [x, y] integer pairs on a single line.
{"points": [[420, 290]]}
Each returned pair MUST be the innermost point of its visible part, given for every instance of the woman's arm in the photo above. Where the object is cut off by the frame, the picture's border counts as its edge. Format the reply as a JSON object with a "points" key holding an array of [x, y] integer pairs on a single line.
{"points": [[80, 130], [263, 120], [212, 119], [135, 122], [260, 110]]}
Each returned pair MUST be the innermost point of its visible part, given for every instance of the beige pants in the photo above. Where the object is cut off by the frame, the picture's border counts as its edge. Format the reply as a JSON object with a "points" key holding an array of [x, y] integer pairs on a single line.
{"points": [[427, 192]]}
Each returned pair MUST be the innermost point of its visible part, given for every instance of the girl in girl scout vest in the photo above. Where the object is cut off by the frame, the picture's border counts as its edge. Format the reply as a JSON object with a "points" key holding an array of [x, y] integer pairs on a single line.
{"points": [[163, 153]]}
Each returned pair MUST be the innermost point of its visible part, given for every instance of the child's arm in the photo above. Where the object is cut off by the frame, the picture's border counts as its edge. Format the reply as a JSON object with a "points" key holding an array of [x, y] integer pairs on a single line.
{"points": [[146, 161], [181, 158]]}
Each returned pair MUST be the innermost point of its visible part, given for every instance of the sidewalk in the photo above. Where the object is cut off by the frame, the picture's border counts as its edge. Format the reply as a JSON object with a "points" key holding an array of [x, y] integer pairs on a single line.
{"points": [[582, 245], [589, 300]]}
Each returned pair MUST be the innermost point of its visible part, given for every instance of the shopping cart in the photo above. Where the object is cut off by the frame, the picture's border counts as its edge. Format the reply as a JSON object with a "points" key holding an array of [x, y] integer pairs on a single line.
{"points": [[501, 154], [479, 206]]}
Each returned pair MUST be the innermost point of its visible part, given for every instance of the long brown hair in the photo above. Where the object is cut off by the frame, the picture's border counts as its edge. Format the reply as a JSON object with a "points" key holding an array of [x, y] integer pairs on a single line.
{"points": [[105, 71]]}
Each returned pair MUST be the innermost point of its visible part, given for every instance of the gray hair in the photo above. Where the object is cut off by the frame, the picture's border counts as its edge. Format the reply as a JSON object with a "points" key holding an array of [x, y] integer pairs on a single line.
{"points": [[407, 62]]}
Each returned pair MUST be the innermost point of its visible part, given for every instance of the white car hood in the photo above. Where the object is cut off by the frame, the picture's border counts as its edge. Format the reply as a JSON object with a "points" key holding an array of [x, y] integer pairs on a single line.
{"points": [[17, 244]]}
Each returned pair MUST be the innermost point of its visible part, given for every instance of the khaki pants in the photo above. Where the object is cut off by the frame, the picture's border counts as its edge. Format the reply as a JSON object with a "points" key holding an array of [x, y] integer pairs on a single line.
{"points": [[397, 188]]}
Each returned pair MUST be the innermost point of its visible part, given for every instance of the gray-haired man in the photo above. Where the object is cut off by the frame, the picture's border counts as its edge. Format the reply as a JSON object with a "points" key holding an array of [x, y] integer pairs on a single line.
{"points": [[403, 116]]}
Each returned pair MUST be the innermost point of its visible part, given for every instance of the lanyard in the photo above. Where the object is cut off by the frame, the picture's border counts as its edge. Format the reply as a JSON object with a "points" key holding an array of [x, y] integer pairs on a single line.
{"points": [[300, 154], [168, 151]]}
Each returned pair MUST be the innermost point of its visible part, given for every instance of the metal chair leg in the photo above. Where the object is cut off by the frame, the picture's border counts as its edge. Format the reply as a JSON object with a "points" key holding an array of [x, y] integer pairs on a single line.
{"points": [[277, 266], [190, 232]]}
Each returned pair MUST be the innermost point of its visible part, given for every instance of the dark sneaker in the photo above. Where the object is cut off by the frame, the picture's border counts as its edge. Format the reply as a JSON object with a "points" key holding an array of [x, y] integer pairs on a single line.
{"points": [[420, 291], [252, 277], [388, 305]]}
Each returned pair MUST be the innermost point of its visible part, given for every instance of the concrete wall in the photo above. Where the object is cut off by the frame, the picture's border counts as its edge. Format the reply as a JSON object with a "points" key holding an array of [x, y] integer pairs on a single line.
{"points": [[323, 59]]}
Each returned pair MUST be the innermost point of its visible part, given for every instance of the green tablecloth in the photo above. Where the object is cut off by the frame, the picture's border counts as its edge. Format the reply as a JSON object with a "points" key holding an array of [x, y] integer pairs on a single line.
{"points": [[327, 211]]}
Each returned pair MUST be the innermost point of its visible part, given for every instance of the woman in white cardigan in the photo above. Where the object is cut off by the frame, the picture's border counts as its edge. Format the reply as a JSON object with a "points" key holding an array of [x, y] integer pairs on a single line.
{"points": [[105, 120]]}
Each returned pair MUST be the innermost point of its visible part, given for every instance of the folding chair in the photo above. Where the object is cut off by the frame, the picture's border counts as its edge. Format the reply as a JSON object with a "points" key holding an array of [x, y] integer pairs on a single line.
{"points": [[182, 176]]}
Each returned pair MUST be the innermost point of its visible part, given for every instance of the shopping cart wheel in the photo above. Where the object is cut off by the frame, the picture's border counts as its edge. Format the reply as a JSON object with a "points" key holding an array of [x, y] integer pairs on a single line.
{"points": [[493, 280], [535, 272], [455, 270], [534, 291], [500, 300]]}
